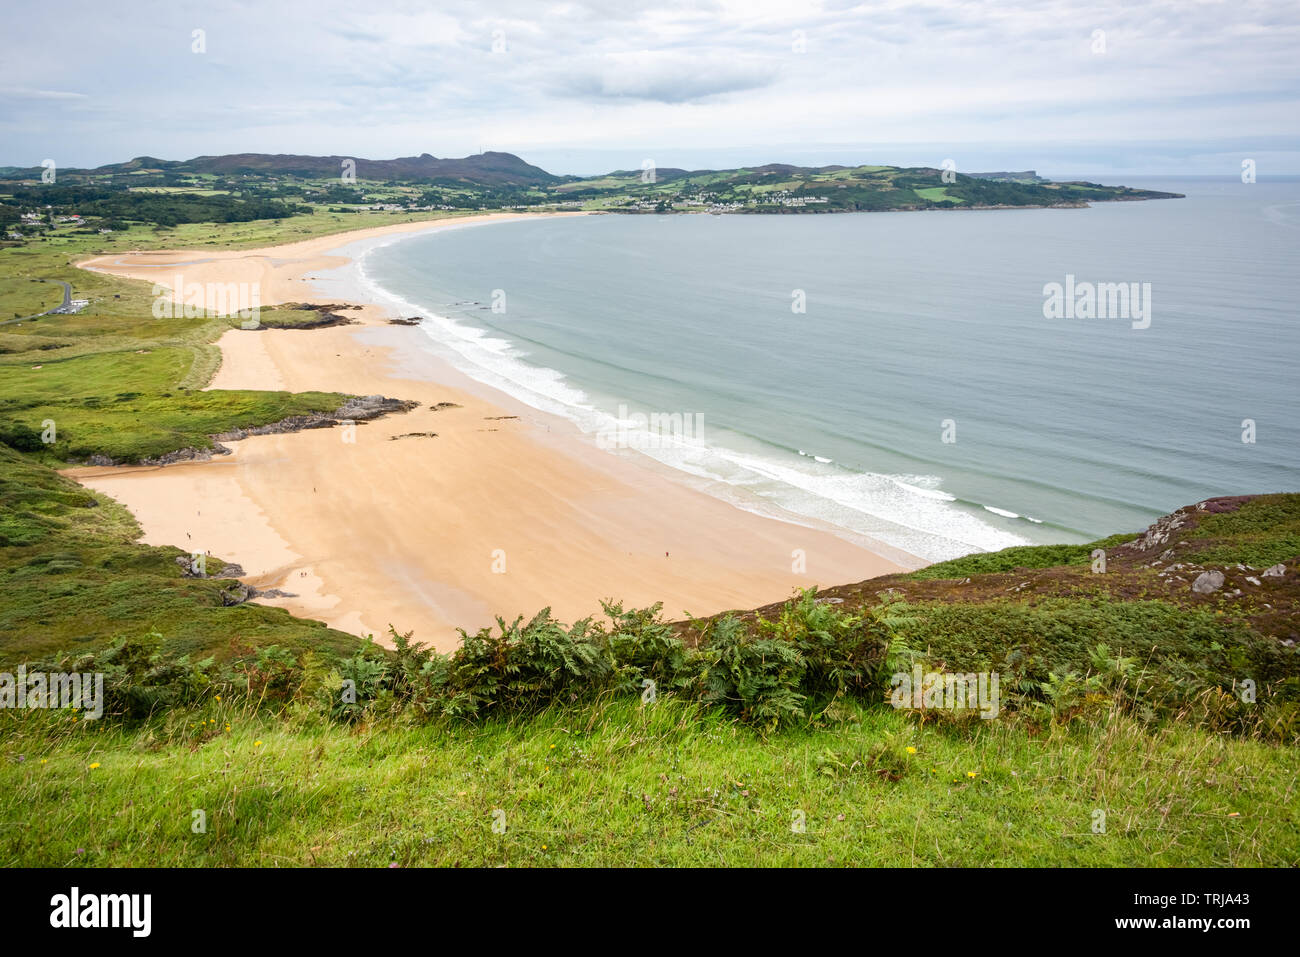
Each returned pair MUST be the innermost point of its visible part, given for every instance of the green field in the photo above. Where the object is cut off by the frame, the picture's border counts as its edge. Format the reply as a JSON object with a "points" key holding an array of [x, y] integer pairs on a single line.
{"points": [[623, 784], [937, 194], [25, 297]]}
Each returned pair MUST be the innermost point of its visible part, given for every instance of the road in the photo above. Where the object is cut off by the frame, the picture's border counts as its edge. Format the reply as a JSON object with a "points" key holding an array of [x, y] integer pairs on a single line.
{"points": [[61, 307]]}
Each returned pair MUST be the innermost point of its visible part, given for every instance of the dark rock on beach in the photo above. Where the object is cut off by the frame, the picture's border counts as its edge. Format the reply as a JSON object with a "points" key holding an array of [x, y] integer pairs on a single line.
{"points": [[327, 314], [270, 593], [372, 406]]}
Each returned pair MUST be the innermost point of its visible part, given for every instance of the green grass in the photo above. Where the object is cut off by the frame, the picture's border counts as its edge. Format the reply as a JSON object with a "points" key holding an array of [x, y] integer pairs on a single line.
{"points": [[624, 784], [193, 190], [937, 194], [23, 297], [1263, 532], [129, 426], [115, 380], [110, 403], [1018, 556], [1173, 661]]}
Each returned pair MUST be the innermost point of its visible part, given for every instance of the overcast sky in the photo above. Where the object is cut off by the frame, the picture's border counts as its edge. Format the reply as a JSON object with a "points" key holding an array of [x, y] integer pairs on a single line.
{"points": [[1188, 86]]}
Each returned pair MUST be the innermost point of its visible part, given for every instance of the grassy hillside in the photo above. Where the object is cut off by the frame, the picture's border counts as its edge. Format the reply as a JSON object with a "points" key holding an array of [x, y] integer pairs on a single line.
{"points": [[624, 784], [1040, 614]]}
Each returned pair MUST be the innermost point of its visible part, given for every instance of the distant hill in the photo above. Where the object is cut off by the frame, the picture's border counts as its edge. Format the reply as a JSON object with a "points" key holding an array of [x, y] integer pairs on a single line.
{"points": [[481, 169], [238, 187], [1024, 176], [782, 188]]}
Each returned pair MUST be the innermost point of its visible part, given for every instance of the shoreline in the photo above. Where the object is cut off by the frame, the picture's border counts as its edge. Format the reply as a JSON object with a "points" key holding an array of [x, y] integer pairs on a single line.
{"points": [[502, 510]]}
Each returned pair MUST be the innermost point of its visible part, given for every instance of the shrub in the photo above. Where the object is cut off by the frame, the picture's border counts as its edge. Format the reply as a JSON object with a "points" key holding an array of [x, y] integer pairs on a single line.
{"points": [[21, 437], [759, 678], [138, 680], [642, 647], [796, 665]]}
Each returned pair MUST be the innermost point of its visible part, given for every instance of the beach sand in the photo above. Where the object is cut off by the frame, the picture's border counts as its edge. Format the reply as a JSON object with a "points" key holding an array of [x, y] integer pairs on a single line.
{"points": [[493, 516]]}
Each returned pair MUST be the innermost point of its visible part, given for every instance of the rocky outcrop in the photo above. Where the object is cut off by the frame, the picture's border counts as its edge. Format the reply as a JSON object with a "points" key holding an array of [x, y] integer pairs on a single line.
{"points": [[227, 570], [372, 406], [236, 593], [1170, 531], [1160, 533], [327, 314], [1208, 582], [270, 593]]}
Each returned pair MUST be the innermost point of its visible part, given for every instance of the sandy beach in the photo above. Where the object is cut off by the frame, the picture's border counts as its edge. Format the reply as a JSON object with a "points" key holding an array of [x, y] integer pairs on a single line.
{"points": [[503, 511]]}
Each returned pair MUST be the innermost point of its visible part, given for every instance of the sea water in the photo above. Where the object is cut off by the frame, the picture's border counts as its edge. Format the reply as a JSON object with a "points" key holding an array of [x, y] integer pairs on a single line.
{"points": [[903, 375]]}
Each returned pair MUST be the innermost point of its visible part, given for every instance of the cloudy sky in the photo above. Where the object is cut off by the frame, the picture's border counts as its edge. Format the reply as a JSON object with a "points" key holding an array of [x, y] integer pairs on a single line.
{"points": [[1180, 86]]}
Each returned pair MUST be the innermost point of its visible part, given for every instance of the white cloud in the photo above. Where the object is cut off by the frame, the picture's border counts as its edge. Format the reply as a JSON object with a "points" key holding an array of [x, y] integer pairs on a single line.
{"points": [[665, 76], [22, 93], [391, 78]]}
